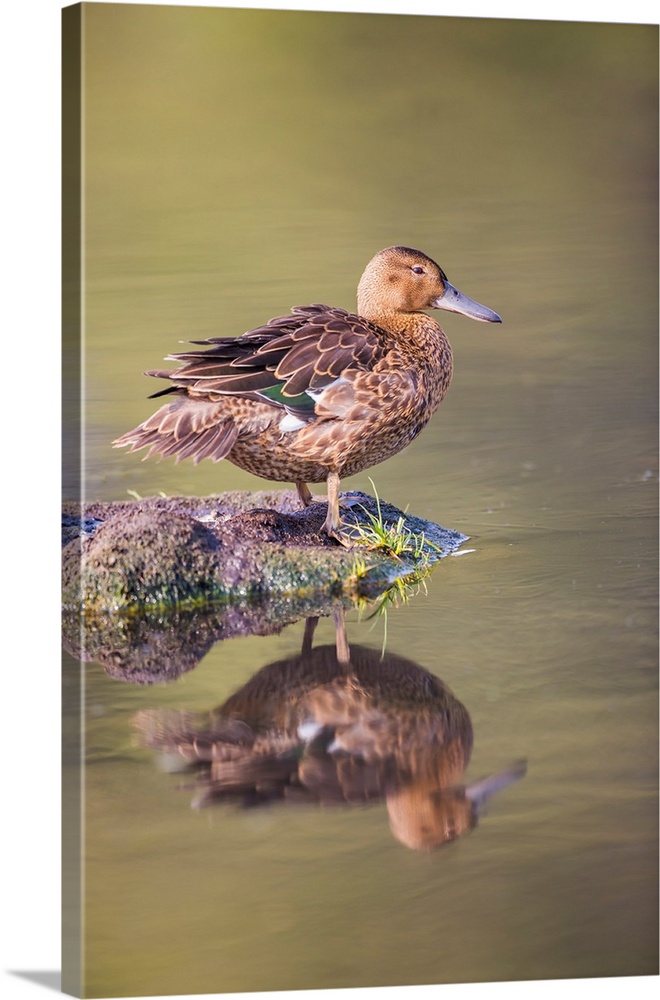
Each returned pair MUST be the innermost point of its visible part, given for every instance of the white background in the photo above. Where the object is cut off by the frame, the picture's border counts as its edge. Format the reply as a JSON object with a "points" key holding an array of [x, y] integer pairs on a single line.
{"points": [[29, 429]]}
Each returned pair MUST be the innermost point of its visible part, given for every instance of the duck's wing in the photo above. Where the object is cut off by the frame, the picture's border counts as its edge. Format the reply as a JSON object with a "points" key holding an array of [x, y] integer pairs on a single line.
{"points": [[304, 351]]}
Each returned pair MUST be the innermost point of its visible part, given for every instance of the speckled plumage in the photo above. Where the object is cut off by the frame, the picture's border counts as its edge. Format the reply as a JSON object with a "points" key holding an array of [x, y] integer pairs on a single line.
{"points": [[321, 393]]}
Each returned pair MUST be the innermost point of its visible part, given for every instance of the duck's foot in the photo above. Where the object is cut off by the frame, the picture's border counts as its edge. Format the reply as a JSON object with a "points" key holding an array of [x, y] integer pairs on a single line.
{"points": [[335, 531]]}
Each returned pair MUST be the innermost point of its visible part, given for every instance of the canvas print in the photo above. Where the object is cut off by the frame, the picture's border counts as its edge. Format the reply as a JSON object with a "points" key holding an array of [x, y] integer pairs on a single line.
{"points": [[359, 527]]}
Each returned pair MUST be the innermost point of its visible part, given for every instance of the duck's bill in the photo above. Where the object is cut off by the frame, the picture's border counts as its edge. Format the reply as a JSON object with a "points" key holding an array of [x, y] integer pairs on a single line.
{"points": [[480, 791], [454, 301]]}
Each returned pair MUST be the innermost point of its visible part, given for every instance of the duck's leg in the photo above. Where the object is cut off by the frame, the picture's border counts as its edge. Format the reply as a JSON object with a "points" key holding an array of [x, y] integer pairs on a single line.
{"points": [[308, 637], [332, 523], [341, 639], [306, 497]]}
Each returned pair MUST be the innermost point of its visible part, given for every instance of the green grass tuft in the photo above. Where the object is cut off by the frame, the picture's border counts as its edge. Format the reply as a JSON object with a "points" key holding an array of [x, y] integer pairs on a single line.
{"points": [[391, 539]]}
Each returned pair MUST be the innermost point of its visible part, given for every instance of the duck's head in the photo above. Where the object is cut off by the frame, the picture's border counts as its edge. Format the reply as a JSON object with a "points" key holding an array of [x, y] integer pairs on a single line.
{"points": [[403, 280], [424, 817]]}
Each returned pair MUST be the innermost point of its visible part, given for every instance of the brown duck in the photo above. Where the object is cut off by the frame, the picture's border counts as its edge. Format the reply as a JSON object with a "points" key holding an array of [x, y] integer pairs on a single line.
{"points": [[336, 725], [321, 393]]}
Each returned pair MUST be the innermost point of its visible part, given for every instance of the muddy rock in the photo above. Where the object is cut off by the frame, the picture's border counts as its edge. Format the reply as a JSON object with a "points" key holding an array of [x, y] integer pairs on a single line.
{"points": [[184, 552]]}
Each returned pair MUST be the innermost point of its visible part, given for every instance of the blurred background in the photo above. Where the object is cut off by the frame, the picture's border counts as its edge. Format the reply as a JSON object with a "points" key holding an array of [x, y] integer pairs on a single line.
{"points": [[240, 162]]}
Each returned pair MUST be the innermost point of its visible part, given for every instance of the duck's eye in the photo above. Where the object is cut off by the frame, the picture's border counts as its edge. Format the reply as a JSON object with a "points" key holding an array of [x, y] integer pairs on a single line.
{"points": [[417, 270]]}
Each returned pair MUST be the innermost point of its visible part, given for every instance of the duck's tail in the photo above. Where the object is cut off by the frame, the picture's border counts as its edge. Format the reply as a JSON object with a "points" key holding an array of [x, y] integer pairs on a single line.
{"points": [[184, 428]]}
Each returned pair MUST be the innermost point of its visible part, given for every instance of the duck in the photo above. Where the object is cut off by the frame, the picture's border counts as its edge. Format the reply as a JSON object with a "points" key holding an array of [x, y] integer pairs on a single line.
{"points": [[320, 393], [335, 725]]}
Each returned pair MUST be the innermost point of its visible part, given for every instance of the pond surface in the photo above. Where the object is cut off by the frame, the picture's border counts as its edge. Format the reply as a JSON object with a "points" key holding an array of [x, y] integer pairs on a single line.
{"points": [[238, 163]]}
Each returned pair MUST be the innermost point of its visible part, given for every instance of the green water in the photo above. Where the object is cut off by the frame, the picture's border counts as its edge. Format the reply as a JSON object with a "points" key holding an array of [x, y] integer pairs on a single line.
{"points": [[238, 163]]}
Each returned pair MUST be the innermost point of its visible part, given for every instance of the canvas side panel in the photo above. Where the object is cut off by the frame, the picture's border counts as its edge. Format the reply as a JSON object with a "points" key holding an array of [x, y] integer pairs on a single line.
{"points": [[71, 488]]}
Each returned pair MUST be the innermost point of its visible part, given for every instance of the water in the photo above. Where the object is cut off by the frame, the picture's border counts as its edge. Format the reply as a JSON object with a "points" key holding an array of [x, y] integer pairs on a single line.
{"points": [[239, 163]]}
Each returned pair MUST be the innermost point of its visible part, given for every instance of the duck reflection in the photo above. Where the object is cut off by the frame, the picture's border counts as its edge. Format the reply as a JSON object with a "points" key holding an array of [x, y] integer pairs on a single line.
{"points": [[333, 726]]}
